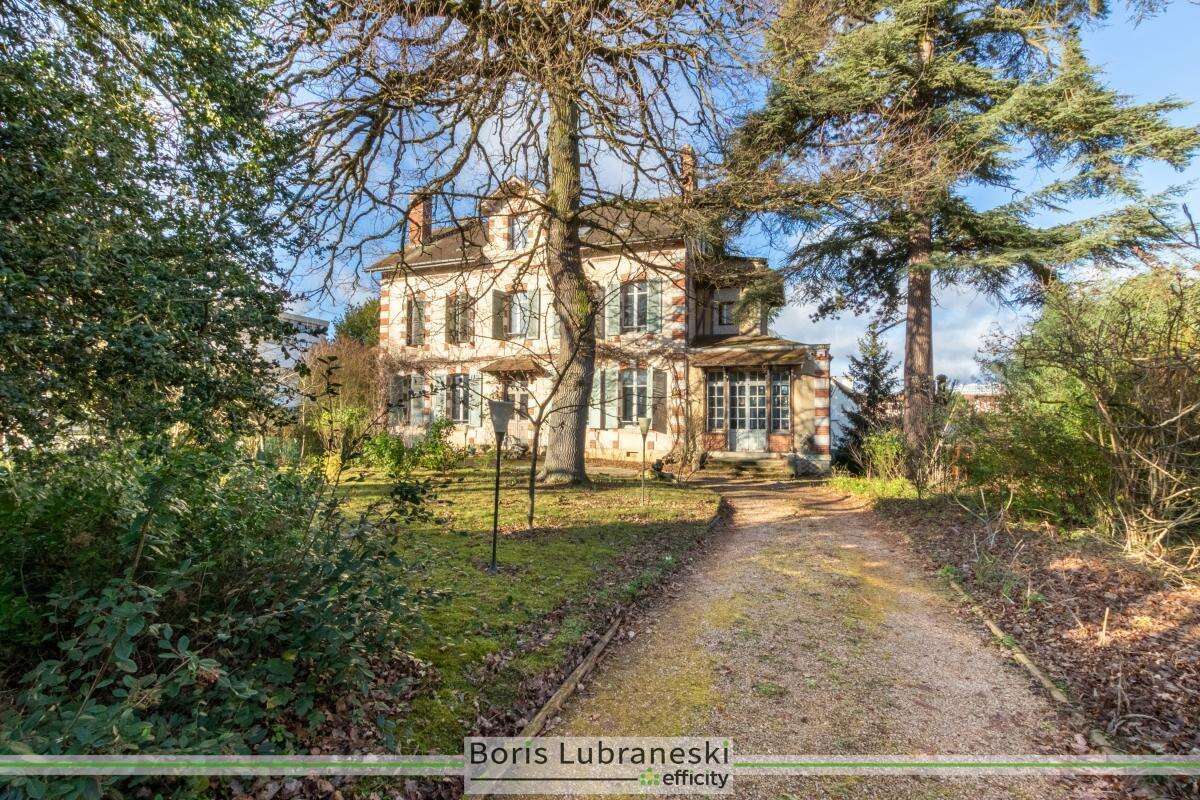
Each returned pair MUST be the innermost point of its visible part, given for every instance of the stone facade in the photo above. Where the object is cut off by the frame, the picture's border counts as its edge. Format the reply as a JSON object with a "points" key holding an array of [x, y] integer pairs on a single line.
{"points": [[473, 318]]}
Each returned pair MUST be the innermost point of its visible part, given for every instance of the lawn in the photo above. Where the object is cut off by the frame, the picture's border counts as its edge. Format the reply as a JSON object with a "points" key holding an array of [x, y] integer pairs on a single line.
{"points": [[494, 642]]}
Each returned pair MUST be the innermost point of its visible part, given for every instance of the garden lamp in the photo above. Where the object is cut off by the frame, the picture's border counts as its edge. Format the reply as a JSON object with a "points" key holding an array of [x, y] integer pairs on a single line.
{"points": [[644, 427], [501, 412]]}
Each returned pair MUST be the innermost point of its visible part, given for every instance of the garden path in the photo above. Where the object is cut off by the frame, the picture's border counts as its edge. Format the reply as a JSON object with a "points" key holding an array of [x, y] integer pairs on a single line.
{"points": [[808, 629]]}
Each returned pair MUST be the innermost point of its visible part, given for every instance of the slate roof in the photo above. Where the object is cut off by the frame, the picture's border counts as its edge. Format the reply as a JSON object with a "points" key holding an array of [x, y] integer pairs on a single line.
{"points": [[748, 350], [601, 228]]}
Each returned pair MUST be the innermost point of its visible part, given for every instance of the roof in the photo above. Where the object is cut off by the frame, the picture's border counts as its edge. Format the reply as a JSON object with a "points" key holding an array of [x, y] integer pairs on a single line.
{"points": [[523, 363], [749, 350], [601, 227]]}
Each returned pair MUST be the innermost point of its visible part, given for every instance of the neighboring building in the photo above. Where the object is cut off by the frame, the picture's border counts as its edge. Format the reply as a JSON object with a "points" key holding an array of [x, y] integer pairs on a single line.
{"points": [[466, 313], [290, 351], [982, 397]]}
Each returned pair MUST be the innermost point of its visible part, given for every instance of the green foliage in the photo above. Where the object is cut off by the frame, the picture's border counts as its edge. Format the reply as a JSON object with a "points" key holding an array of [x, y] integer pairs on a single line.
{"points": [[437, 452], [1099, 421], [360, 323], [884, 454], [908, 107], [874, 488], [135, 248], [193, 601], [873, 371], [389, 454]]}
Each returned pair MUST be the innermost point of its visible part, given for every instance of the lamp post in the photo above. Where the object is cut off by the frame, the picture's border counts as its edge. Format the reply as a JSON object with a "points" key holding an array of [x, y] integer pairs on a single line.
{"points": [[644, 427], [501, 412]]}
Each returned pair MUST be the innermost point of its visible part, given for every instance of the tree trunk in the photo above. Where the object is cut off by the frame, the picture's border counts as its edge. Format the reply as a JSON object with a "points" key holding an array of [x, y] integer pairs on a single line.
{"points": [[575, 299], [918, 337], [918, 330]]}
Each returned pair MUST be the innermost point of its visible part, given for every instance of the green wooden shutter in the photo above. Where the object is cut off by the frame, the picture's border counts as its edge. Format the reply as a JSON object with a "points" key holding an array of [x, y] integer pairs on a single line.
{"points": [[475, 401], [497, 315], [612, 311], [610, 398], [533, 328], [595, 413], [658, 401], [654, 317], [420, 403], [437, 396]]}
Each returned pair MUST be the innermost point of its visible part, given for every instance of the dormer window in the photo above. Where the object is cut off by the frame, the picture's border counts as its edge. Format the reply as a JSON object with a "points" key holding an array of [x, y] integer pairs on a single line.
{"points": [[634, 296], [518, 231]]}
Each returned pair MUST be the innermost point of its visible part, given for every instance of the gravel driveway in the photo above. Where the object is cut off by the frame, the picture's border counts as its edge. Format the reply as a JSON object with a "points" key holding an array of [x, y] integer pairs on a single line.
{"points": [[806, 630]]}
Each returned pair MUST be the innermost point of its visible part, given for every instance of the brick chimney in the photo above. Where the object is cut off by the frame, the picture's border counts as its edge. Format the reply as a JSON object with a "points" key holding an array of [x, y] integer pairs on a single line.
{"points": [[420, 219], [687, 170]]}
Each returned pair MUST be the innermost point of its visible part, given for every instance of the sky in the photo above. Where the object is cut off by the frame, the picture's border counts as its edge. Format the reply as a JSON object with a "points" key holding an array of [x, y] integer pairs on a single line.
{"points": [[1146, 61]]}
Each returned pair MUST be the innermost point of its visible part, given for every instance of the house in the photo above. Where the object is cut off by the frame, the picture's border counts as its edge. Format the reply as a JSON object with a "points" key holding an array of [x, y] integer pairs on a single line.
{"points": [[285, 354], [981, 397], [466, 314]]}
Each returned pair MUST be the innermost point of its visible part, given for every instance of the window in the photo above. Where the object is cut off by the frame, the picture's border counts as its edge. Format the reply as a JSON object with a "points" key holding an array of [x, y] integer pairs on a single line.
{"points": [[633, 395], [400, 407], [414, 330], [634, 297], [516, 314], [458, 397], [458, 319], [781, 401], [518, 231], [724, 313], [716, 401], [516, 391]]}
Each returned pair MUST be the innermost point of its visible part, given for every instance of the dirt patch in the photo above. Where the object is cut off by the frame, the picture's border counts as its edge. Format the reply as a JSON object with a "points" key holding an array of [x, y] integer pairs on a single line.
{"points": [[1122, 642], [806, 630]]}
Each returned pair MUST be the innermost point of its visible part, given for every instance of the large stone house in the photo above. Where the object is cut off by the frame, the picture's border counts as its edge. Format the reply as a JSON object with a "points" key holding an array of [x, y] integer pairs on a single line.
{"points": [[466, 314]]}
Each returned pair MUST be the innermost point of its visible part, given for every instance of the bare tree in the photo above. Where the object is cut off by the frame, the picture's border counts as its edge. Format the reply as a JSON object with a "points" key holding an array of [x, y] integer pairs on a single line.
{"points": [[588, 101]]}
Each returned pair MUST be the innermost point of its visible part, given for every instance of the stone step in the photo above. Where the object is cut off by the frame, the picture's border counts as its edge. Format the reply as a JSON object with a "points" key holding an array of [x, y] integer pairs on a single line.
{"points": [[750, 467]]}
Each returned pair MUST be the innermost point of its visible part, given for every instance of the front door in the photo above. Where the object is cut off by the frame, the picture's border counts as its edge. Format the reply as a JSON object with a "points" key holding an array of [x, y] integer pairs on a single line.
{"points": [[748, 410]]}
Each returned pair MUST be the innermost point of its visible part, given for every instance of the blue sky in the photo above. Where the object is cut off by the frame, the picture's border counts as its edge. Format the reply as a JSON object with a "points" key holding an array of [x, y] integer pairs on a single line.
{"points": [[1146, 61]]}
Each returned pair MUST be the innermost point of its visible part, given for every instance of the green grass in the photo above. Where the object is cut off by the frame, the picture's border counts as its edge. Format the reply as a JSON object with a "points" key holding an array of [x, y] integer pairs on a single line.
{"points": [[487, 635], [874, 488]]}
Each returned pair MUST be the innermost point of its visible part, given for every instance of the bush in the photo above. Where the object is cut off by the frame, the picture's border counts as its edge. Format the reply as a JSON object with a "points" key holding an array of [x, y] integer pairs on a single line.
{"points": [[1100, 423], [884, 454], [388, 452], [188, 602]]}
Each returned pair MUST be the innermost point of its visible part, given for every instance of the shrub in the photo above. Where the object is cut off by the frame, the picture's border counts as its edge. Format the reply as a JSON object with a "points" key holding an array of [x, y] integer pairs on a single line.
{"points": [[189, 601], [1101, 418], [436, 451], [884, 454]]}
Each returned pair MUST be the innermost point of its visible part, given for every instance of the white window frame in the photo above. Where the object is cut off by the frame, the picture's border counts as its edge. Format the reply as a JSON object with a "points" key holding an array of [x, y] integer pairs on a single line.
{"points": [[635, 305], [723, 306], [715, 391], [518, 231], [516, 308], [633, 384], [781, 390], [458, 388]]}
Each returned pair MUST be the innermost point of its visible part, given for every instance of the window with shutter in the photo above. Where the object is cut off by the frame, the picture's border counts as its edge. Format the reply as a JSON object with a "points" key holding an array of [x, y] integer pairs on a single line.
{"points": [[634, 306], [633, 395]]}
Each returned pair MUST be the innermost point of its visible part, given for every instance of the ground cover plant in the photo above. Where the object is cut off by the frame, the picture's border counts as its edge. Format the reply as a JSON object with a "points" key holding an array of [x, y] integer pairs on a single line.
{"points": [[496, 645]]}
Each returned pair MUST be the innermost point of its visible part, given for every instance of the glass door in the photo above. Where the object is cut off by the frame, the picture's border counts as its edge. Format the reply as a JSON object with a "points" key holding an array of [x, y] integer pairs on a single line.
{"points": [[748, 410]]}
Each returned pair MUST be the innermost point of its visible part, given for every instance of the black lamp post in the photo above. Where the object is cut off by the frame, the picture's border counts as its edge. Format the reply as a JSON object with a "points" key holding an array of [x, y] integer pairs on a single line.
{"points": [[644, 427], [501, 412]]}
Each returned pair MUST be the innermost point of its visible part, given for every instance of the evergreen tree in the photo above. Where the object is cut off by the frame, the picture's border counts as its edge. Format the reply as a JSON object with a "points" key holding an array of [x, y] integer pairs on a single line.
{"points": [[905, 106], [360, 323], [874, 380]]}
